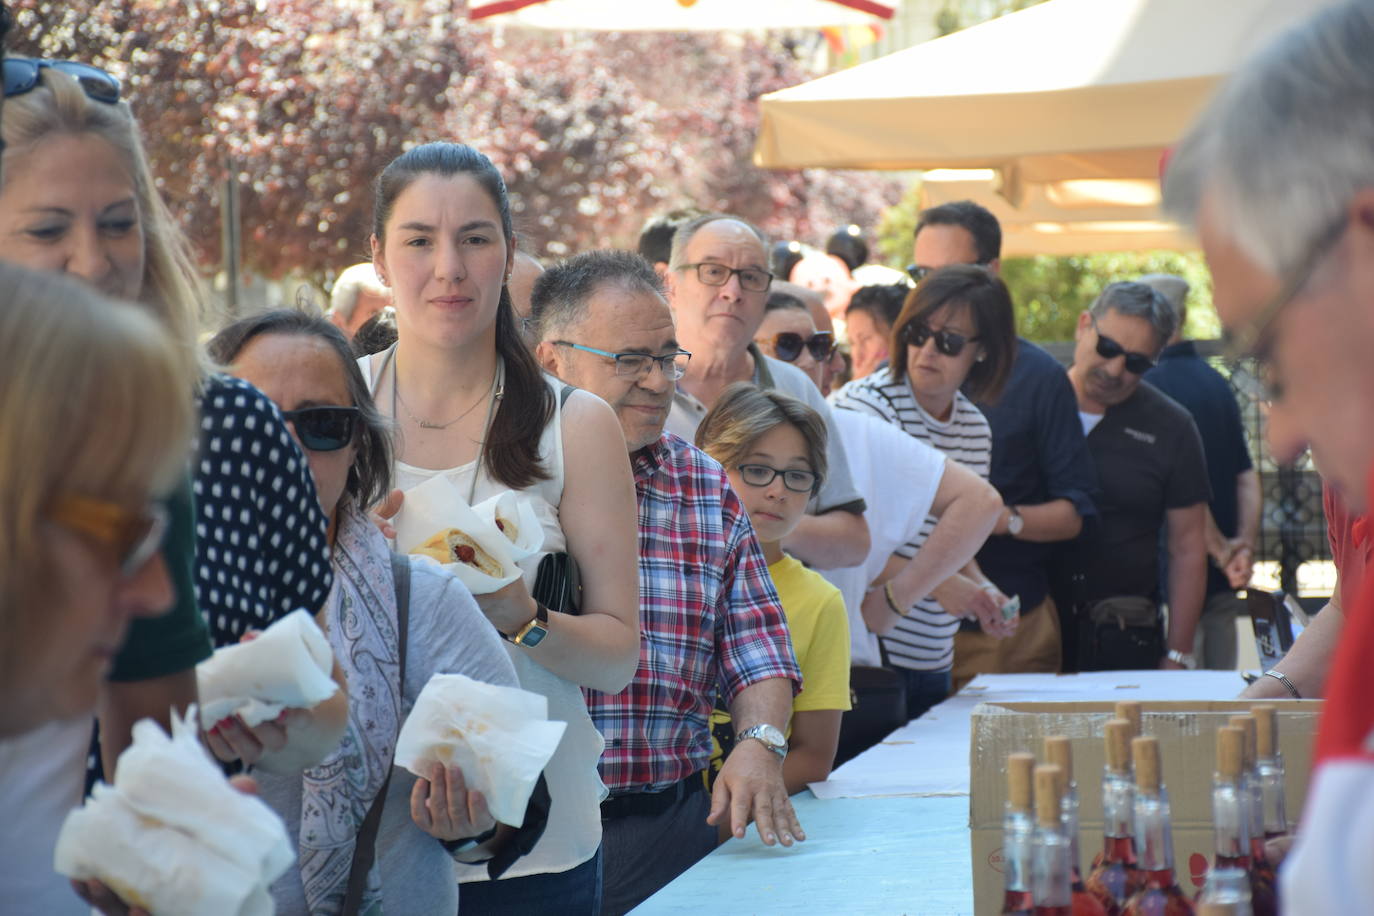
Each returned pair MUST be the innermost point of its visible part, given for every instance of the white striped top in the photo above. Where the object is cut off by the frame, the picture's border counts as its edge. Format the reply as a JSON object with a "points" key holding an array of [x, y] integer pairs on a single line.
{"points": [[923, 641]]}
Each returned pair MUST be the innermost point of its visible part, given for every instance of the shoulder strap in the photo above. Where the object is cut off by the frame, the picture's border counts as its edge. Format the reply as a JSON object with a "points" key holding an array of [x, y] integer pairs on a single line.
{"points": [[565, 394], [365, 846]]}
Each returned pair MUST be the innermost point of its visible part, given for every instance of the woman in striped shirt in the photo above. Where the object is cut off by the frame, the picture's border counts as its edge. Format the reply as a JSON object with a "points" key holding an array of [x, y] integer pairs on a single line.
{"points": [[956, 331]]}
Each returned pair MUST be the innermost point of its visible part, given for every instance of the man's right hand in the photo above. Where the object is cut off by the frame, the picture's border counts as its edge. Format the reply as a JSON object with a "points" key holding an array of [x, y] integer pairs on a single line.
{"points": [[960, 596]]}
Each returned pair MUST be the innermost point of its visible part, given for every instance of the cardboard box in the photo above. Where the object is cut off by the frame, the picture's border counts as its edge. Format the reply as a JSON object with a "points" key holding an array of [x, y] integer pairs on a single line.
{"points": [[1187, 738]]}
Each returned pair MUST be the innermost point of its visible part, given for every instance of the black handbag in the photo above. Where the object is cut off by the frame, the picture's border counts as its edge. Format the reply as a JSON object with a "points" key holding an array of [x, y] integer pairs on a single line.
{"points": [[558, 584], [1123, 633]]}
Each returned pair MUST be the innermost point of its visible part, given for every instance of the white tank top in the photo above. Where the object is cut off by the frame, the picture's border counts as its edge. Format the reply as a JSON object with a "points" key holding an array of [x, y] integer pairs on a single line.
{"points": [[575, 787]]}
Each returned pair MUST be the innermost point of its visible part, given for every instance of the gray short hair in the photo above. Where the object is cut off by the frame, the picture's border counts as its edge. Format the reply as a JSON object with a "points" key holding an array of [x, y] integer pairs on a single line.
{"points": [[561, 293], [359, 278], [1138, 300], [1288, 140], [685, 233]]}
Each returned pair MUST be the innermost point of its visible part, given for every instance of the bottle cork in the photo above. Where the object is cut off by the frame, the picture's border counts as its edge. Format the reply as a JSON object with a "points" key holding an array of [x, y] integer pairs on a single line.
{"points": [[1266, 729], [1230, 752], [1019, 768], [1059, 752], [1048, 789], [1145, 754], [1247, 722], [1130, 711], [1118, 739]]}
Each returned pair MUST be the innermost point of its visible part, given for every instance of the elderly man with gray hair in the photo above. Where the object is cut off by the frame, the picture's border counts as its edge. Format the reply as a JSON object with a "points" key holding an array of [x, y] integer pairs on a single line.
{"points": [[1278, 179], [356, 297], [1153, 480]]}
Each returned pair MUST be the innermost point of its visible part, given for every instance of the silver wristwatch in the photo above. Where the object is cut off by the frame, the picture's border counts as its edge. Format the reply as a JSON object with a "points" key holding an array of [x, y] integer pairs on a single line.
{"points": [[1186, 659], [1015, 522], [768, 735]]}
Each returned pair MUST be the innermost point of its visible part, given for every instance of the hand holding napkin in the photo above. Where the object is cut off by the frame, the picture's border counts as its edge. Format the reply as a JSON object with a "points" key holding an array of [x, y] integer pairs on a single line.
{"points": [[172, 836], [436, 506], [287, 666], [500, 737]]}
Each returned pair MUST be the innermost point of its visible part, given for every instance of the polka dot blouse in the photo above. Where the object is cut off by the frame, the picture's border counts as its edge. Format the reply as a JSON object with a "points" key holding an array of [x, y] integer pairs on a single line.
{"points": [[261, 550]]}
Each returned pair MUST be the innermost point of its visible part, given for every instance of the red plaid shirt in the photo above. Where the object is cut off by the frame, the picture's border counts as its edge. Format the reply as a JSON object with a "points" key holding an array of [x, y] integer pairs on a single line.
{"points": [[710, 617]]}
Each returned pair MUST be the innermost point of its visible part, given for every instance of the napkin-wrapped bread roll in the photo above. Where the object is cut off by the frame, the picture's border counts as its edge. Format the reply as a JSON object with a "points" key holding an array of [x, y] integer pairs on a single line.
{"points": [[288, 665], [435, 511], [499, 737], [514, 515], [172, 836]]}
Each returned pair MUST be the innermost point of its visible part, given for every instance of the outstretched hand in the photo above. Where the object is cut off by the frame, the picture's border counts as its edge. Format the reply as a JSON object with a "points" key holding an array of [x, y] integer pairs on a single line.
{"points": [[750, 787]]}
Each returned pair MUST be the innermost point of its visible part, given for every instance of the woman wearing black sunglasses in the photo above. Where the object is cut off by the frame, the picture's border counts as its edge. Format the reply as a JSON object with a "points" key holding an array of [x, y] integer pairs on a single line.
{"points": [[77, 196], [306, 366], [953, 343]]}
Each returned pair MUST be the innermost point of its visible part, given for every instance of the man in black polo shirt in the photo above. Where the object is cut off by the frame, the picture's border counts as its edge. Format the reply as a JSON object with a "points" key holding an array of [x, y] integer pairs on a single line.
{"points": [[1152, 479], [1234, 512], [1040, 466]]}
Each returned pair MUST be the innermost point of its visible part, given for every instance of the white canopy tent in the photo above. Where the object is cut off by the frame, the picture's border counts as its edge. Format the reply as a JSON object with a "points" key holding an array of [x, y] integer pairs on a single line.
{"points": [[1066, 89], [1073, 216], [679, 15]]}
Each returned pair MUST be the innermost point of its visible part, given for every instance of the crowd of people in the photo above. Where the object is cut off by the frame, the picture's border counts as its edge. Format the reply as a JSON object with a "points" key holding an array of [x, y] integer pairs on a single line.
{"points": [[777, 473]]}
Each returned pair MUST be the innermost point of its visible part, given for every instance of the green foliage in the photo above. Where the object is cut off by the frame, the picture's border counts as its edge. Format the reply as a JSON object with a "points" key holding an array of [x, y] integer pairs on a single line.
{"points": [[896, 227]]}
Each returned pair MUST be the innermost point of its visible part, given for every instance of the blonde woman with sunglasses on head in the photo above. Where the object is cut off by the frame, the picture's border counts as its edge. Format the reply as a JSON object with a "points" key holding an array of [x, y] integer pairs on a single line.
{"points": [[77, 197]]}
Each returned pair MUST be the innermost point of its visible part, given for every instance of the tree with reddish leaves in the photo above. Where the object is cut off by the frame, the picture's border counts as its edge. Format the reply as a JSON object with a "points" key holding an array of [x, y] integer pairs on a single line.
{"points": [[305, 102]]}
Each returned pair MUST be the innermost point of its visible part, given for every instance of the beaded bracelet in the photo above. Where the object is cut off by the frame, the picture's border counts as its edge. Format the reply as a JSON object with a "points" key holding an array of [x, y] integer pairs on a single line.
{"points": [[892, 602]]}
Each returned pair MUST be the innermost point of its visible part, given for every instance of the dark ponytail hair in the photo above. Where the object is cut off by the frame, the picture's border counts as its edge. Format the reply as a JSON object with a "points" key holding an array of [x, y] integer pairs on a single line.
{"points": [[511, 452]]}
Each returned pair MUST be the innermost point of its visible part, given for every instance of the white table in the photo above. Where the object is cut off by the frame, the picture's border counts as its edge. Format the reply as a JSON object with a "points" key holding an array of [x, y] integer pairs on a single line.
{"points": [[888, 832]]}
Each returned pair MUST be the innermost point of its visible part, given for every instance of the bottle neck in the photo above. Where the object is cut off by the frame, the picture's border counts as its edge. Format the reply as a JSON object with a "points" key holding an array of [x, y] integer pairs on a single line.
{"points": [[1274, 804], [1017, 828], [1069, 817], [1230, 819], [1118, 801], [1051, 874], [1154, 837]]}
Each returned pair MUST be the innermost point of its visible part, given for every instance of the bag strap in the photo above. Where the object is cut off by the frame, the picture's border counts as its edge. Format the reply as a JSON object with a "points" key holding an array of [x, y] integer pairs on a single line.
{"points": [[365, 846], [564, 394]]}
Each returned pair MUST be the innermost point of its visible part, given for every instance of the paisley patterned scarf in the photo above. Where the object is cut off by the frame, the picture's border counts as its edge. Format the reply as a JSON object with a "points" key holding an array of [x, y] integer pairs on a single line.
{"points": [[361, 618]]}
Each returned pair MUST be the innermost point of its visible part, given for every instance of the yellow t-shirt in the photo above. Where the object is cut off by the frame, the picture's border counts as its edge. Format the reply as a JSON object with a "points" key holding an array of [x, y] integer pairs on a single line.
{"points": [[820, 638]]}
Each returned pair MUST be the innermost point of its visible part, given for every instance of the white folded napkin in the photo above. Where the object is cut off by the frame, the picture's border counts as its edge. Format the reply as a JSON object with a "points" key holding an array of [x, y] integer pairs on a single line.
{"points": [[435, 506], [499, 737], [516, 512], [172, 836], [287, 666]]}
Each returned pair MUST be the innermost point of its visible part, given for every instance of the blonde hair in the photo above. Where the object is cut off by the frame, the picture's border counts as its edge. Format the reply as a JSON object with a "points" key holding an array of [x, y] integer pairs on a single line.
{"points": [[59, 105], [746, 413], [94, 401]]}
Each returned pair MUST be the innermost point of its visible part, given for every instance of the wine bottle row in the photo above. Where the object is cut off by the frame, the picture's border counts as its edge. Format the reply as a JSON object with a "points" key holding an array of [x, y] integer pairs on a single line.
{"points": [[1133, 874]]}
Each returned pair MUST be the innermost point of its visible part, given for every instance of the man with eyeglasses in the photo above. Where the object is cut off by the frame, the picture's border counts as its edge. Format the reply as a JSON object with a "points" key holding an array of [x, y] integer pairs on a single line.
{"points": [[718, 283], [1040, 466], [1152, 479], [1278, 178], [709, 614]]}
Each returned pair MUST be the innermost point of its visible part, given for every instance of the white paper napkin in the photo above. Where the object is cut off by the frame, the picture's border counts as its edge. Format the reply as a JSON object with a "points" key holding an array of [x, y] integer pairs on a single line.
{"points": [[435, 506], [516, 512], [499, 737], [172, 836], [288, 665]]}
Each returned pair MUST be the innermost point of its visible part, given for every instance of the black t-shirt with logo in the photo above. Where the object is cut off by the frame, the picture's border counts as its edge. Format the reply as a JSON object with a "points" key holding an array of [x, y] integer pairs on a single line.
{"points": [[1149, 459]]}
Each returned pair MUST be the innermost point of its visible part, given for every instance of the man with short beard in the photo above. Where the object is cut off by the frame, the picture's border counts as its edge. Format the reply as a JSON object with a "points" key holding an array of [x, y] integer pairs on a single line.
{"points": [[1153, 478]]}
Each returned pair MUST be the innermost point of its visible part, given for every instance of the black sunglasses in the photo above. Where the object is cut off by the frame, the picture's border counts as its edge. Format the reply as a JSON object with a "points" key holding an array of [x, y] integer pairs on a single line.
{"points": [[323, 429], [22, 75], [1136, 363], [918, 272], [947, 342], [788, 345]]}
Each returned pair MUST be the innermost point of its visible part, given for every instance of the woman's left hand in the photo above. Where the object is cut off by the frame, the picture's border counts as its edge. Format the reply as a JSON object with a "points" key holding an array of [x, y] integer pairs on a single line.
{"points": [[508, 608], [445, 808]]}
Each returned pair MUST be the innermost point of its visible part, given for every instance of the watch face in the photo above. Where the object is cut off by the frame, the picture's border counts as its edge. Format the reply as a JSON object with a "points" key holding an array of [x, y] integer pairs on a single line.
{"points": [[533, 636], [768, 734]]}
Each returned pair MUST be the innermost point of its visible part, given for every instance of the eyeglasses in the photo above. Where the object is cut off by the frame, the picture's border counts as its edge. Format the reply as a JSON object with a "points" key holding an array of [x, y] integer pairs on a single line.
{"points": [[788, 345], [636, 365], [794, 479], [323, 429], [919, 273], [1136, 363], [947, 342], [134, 536], [750, 278], [22, 75], [1252, 341]]}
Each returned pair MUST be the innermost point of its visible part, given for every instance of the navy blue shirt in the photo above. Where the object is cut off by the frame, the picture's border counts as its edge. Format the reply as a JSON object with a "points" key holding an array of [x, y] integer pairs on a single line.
{"points": [[1185, 376], [1039, 454]]}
